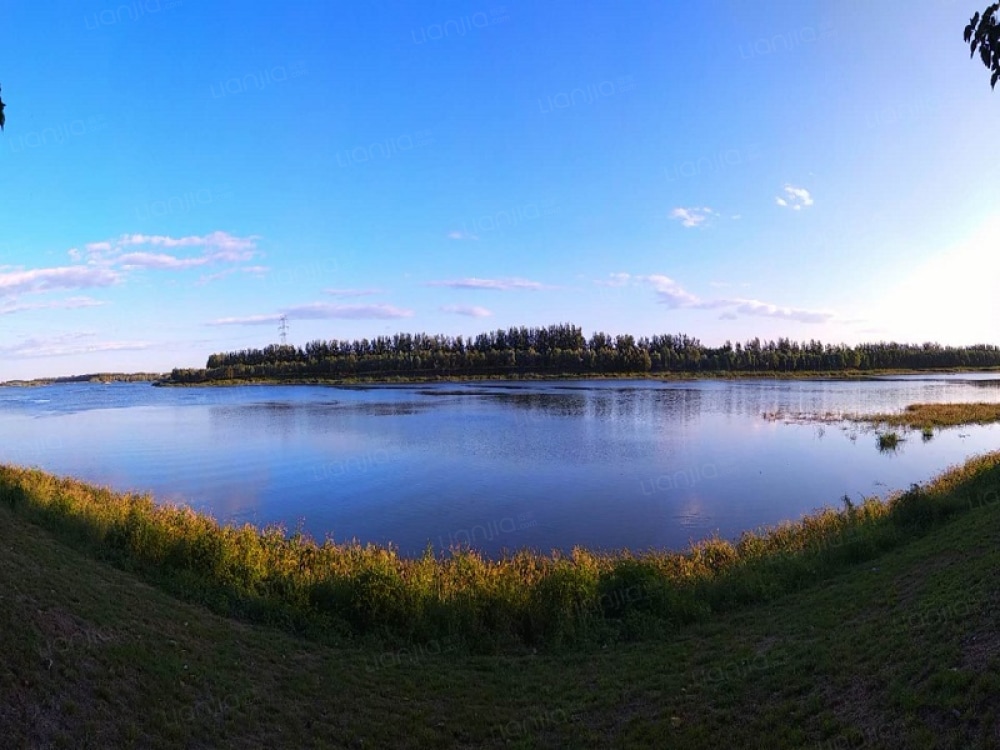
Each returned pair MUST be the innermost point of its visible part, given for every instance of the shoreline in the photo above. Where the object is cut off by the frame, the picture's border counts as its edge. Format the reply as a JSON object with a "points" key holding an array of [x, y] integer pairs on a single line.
{"points": [[292, 578], [164, 379], [846, 375], [790, 652]]}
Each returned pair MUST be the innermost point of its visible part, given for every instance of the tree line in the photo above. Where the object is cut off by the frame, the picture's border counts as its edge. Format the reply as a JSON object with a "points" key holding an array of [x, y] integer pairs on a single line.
{"points": [[564, 350]]}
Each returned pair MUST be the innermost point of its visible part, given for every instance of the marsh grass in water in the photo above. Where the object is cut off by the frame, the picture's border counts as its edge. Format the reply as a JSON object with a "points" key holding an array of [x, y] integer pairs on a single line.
{"points": [[926, 417], [336, 591], [888, 441]]}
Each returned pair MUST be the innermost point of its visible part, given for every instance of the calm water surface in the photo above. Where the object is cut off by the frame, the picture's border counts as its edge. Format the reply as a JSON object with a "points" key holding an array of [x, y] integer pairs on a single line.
{"points": [[604, 464]]}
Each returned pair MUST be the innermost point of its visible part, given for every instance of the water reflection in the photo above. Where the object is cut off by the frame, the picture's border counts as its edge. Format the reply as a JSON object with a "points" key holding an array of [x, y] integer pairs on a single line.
{"points": [[604, 464]]}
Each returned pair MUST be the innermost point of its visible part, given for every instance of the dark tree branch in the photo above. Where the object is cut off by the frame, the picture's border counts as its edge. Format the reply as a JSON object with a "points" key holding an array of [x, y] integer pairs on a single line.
{"points": [[983, 33]]}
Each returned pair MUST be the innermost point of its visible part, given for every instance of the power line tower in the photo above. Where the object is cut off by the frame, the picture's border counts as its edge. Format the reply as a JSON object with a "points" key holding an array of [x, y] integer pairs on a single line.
{"points": [[284, 330]]}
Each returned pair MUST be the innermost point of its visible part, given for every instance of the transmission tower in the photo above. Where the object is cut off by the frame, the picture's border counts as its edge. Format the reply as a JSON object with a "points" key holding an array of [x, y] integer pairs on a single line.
{"points": [[284, 330]]}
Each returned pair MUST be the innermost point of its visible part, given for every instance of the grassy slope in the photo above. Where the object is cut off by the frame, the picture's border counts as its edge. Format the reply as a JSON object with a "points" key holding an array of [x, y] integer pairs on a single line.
{"points": [[902, 651]]}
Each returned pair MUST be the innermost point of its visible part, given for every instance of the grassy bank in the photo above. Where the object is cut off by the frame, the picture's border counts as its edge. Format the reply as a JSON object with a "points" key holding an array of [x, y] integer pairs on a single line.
{"points": [[897, 648], [336, 592]]}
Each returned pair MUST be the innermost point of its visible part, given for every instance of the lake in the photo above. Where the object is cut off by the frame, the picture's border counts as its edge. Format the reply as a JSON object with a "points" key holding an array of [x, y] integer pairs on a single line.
{"points": [[605, 464]]}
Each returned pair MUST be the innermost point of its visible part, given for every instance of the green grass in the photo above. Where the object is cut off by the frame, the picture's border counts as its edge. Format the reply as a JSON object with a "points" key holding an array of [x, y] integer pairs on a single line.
{"points": [[875, 630], [343, 591]]}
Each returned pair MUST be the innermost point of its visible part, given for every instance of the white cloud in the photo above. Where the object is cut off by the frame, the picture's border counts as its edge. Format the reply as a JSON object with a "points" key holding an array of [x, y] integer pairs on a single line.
{"points": [[502, 285], [795, 198], [765, 309], [692, 217], [473, 311], [108, 262], [673, 295], [222, 241], [457, 235], [67, 344], [216, 247], [49, 279], [160, 261], [72, 303]]}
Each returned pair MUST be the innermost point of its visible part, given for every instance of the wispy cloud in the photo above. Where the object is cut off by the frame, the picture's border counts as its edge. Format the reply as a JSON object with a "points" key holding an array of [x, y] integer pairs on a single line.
{"points": [[13, 283], [795, 198], [73, 303], [767, 310], [459, 235], [352, 292], [472, 311], [109, 262], [131, 251], [670, 293], [254, 270], [692, 217], [615, 280], [502, 285], [70, 343], [220, 241], [319, 311], [247, 320], [160, 261]]}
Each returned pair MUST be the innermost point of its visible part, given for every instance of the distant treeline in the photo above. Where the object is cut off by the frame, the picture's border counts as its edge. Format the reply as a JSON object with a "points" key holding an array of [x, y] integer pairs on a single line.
{"points": [[97, 377], [563, 350]]}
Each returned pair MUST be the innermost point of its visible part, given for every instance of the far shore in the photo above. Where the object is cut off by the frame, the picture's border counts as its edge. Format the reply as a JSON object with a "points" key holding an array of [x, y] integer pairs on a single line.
{"points": [[163, 379], [534, 377]]}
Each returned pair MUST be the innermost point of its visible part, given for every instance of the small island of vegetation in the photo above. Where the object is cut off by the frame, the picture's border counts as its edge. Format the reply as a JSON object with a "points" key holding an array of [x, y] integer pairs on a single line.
{"points": [[930, 416], [924, 417]]}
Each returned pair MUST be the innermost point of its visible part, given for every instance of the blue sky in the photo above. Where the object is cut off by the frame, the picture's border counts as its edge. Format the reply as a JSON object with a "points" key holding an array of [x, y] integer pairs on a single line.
{"points": [[176, 175]]}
